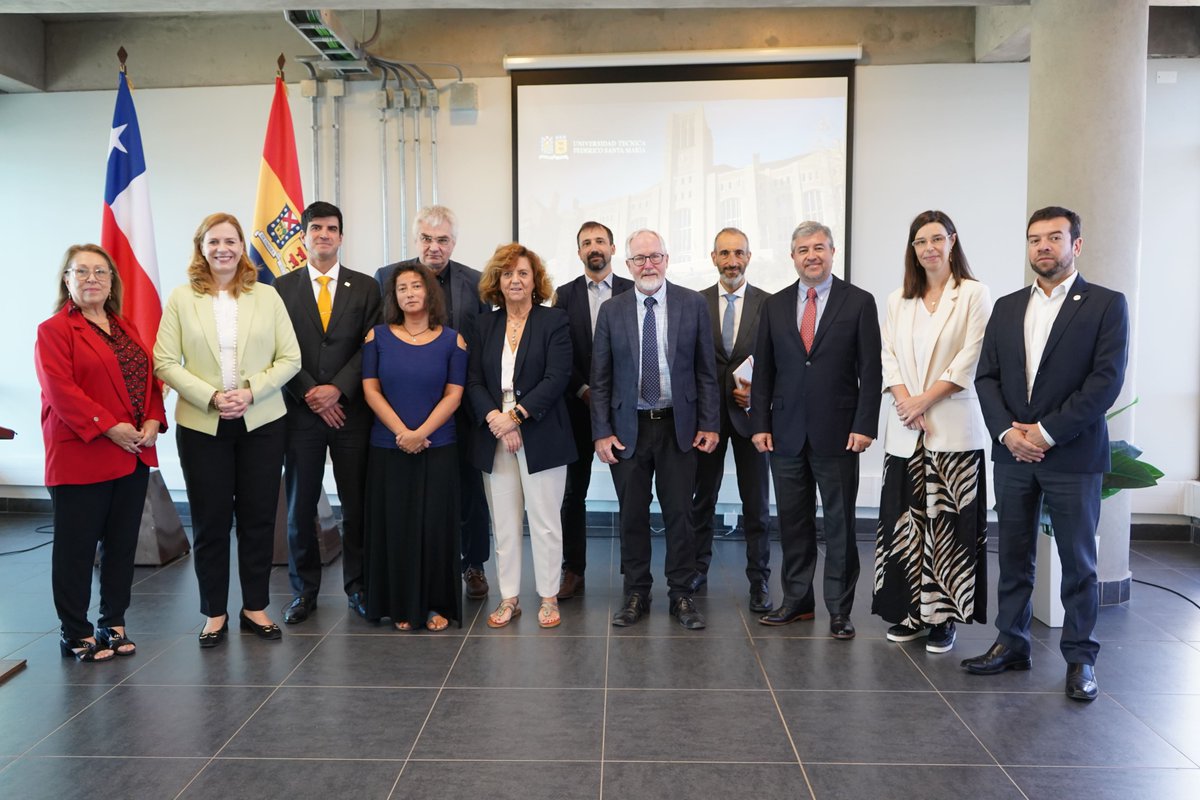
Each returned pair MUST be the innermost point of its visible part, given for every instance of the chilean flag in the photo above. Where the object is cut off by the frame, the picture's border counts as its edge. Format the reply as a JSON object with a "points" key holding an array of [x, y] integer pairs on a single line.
{"points": [[277, 239], [127, 232]]}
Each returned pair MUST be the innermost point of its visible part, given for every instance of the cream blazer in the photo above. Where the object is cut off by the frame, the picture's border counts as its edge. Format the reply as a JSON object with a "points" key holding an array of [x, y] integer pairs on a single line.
{"points": [[956, 423], [187, 355]]}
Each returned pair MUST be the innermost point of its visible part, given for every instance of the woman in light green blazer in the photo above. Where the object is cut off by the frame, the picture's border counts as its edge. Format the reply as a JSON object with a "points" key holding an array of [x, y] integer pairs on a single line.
{"points": [[227, 347]]}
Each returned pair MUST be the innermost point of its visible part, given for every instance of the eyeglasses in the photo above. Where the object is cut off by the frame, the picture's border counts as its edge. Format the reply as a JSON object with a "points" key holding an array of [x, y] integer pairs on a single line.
{"points": [[83, 273], [653, 258], [937, 241], [441, 241]]}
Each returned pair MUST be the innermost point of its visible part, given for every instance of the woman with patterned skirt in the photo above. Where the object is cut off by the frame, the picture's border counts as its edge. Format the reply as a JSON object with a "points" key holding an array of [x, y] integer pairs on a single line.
{"points": [[930, 552]]}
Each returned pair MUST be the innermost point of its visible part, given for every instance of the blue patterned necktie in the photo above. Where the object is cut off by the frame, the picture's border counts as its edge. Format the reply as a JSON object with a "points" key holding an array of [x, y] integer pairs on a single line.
{"points": [[651, 379], [727, 323]]}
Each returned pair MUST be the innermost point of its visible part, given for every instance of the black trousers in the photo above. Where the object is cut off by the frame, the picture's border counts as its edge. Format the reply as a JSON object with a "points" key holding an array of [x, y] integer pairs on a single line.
{"points": [[579, 478], [235, 471], [304, 473], [797, 479], [753, 474], [108, 513], [1073, 500], [473, 506], [657, 462]]}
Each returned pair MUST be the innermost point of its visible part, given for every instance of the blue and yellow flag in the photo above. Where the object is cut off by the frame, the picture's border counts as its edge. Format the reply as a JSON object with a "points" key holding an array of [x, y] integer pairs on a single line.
{"points": [[277, 241]]}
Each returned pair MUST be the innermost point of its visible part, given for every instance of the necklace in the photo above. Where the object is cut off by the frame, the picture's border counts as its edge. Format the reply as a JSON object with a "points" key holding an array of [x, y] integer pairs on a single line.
{"points": [[413, 336], [515, 326]]}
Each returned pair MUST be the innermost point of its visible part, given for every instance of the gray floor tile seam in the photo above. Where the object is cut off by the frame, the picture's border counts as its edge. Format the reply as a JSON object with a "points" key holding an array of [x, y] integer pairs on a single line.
{"points": [[608, 636], [762, 668], [1152, 729]]}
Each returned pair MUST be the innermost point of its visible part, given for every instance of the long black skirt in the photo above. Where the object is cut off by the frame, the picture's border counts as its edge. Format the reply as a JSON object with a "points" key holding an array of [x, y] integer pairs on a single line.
{"points": [[412, 536], [931, 543]]}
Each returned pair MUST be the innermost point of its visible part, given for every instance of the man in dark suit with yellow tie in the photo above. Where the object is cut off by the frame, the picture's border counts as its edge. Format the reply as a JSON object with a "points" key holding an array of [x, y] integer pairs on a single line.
{"points": [[331, 308], [1052, 364], [733, 309], [814, 406], [654, 404]]}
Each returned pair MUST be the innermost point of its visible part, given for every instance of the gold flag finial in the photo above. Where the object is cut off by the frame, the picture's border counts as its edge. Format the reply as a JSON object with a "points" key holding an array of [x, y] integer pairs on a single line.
{"points": [[280, 62], [121, 56]]}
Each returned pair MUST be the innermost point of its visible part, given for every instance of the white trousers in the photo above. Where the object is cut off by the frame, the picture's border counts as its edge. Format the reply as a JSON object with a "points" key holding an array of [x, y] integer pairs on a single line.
{"points": [[511, 490]]}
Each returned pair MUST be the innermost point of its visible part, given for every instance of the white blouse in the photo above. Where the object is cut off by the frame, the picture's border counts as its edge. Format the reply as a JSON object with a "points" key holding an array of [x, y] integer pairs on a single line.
{"points": [[225, 310]]}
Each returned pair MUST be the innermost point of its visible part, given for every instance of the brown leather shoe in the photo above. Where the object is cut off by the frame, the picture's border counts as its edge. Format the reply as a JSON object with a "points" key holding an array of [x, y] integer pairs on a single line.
{"points": [[571, 585], [476, 583]]}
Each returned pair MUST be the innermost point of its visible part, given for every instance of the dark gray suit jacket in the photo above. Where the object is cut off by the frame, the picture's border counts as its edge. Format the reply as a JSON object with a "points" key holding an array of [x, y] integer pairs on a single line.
{"points": [[743, 347], [616, 355], [333, 356]]}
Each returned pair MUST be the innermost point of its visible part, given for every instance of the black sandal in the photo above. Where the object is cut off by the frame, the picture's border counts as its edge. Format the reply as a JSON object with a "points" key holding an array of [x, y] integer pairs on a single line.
{"points": [[84, 651], [115, 641]]}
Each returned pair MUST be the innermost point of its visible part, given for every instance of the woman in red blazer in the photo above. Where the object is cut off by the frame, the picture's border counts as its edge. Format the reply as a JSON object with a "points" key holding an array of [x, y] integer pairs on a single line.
{"points": [[102, 411]]}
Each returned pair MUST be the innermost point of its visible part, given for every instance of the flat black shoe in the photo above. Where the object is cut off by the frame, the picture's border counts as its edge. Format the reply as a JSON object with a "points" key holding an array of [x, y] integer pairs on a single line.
{"points": [[840, 626], [997, 659], [110, 638], [358, 602], [786, 615], [299, 610], [684, 609], [634, 609], [270, 631], [1081, 682], [85, 652], [214, 638], [760, 597]]}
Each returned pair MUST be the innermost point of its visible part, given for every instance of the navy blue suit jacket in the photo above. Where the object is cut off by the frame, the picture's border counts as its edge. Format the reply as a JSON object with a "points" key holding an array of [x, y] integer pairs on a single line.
{"points": [[616, 356], [543, 364], [572, 297], [1079, 377], [823, 396]]}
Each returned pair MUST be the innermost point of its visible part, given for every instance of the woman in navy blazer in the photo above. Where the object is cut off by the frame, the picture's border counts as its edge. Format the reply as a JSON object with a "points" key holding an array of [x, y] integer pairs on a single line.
{"points": [[515, 382], [102, 411]]}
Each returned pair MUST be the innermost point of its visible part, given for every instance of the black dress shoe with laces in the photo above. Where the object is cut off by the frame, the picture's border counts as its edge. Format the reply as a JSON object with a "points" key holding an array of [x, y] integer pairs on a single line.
{"points": [[634, 609], [840, 626], [358, 602], [785, 615], [1081, 682], [997, 659], [299, 610], [684, 609], [760, 597]]}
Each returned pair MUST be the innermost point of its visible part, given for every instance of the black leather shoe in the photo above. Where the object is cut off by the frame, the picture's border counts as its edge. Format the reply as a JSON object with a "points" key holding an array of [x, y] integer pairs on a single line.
{"points": [[698, 582], [299, 610], [634, 609], [1081, 682], [570, 585], [475, 583], [269, 631], [214, 638], [357, 601], [684, 609], [997, 659], [785, 615], [760, 597], [840, 626]]}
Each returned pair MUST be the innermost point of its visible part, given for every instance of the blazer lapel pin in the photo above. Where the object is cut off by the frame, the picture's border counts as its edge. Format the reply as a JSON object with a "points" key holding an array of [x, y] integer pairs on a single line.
{"points": [[347, 284], [1076, 298]]}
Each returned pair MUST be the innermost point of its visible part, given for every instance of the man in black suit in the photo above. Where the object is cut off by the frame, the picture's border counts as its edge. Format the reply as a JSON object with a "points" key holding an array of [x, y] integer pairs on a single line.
{"points": [[654, 404], [435, 233], [733, 309], [1052, 364], [582, 298], [332, 308], [814, 407]]}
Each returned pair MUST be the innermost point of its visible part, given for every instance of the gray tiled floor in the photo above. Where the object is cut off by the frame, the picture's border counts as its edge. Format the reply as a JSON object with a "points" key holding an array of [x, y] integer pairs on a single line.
{"points": [[342, 708]]}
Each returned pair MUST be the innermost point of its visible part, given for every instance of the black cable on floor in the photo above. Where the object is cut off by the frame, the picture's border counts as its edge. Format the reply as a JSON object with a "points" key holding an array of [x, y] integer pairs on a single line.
{"points": [[1165, 589], [47, 529]]}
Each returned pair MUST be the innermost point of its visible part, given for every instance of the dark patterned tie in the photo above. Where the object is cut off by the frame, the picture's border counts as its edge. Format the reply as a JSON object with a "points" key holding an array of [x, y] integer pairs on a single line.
{"points": [[808, 323], [651, 379]]}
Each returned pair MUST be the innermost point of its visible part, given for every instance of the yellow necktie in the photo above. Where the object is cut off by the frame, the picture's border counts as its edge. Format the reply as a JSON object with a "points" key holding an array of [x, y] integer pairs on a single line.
{"points": [[324, 301]]}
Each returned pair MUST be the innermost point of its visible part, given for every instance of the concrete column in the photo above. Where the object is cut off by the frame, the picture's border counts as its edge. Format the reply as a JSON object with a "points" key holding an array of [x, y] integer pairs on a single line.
{"points": [[1087, 108]]}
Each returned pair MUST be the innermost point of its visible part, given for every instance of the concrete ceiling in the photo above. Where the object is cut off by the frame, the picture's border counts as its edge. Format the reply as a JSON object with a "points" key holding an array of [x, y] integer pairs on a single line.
{"points": [[47, 7]]}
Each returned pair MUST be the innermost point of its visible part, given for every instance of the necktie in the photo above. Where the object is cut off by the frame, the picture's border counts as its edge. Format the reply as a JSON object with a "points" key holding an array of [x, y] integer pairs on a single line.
{"points": [[727, 323], [324, 301], [808, 323], [651, 379]]}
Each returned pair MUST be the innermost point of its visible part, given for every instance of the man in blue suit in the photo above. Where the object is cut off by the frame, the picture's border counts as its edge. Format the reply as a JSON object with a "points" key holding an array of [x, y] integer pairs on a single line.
{"points": [[814, 406], [1053, 363], [654, 404]]}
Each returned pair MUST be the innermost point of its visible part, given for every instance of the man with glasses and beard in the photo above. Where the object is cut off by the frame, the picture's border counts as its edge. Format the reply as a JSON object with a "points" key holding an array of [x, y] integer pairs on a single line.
{"points": [[582, 298]]}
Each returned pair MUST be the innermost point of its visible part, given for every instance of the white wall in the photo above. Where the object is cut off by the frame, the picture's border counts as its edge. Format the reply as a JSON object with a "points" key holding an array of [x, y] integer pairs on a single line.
{"points": [[945, 136]]}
